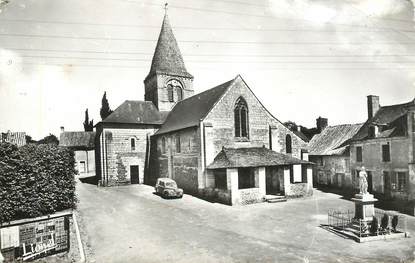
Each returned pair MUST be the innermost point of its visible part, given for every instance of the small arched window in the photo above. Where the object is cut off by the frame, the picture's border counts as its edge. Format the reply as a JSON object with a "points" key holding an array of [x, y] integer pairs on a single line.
{"points": [[170, 92], [288, 144], [132, 142], [241, 118], [163, 145], [179, 93]]}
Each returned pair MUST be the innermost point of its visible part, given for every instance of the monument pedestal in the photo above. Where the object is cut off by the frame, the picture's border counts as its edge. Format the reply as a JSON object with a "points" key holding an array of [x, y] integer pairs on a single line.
{"points": [[364, 206]]}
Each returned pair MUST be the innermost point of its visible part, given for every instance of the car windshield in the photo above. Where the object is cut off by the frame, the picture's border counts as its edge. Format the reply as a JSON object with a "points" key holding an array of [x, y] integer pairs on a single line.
{"points": [[171, 184]]}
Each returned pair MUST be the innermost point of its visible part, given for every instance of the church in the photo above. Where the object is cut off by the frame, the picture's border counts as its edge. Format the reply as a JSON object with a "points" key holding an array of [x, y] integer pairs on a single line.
{"points": [[221, 145]]}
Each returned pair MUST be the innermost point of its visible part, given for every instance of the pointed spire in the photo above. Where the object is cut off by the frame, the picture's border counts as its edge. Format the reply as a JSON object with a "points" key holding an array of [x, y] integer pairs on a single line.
{"points": [[167, 57]]}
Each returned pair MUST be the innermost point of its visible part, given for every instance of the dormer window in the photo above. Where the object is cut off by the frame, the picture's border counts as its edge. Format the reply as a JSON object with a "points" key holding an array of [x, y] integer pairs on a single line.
{"points": [[241, 119]]}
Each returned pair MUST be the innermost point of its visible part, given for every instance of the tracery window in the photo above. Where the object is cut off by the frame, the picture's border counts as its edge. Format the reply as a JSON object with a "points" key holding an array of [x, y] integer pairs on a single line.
{"points": [[241, 118]]}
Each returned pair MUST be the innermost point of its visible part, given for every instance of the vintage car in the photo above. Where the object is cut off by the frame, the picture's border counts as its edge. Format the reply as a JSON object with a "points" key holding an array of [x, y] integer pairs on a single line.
{"points": [[167, 188]]}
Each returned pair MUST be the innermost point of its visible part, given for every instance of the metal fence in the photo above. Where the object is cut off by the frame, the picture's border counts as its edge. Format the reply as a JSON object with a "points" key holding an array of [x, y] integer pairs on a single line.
{"points": [[344, 220], [340, 219]]}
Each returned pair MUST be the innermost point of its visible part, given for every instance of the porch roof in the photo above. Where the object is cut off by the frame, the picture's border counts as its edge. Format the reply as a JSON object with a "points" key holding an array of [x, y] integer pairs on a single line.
{"points": [[251, 157]]}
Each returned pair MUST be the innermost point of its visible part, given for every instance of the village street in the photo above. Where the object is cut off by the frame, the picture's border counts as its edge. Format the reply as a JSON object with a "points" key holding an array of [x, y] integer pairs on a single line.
{"points": [[131, 224]]}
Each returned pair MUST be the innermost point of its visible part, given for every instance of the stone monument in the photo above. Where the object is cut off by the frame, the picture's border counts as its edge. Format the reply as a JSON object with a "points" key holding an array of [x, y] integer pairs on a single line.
{"points": [[364, 201]]}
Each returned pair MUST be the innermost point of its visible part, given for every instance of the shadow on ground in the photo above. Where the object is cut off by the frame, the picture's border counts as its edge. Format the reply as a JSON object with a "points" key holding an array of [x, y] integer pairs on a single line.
{"points": [[397, 205], [89, 180]]}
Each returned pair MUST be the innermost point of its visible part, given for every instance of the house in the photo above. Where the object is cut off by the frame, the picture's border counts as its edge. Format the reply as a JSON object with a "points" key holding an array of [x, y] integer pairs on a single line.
{"points": [[330, 151], [17, 138], [385, 146], [199, 140], [83, 145]]}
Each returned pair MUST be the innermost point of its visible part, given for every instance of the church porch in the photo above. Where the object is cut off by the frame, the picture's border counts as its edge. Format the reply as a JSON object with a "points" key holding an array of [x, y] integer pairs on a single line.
{"points": [[233, 181]]}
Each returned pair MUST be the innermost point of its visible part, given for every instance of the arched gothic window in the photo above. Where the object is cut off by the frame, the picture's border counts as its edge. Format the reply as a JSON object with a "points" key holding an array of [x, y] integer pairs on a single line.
{"points": [[241, 118], [288, 144], [170, 92]]}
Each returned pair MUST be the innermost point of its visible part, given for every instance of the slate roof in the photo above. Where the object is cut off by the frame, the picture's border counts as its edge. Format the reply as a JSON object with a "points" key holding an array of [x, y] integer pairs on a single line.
{"points": [[167, 57], [251, 157], [188, 112], [136, 112], [333, 140], [391, 121], [301, 135], [77, 139]]}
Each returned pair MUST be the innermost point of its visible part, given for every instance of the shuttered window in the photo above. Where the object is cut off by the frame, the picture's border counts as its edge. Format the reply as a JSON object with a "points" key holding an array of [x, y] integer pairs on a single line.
{"points": [[386, 157]]}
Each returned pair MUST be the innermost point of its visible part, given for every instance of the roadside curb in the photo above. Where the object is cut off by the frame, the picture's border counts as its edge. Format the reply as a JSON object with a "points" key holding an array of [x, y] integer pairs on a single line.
{"points": [[78, 237]]}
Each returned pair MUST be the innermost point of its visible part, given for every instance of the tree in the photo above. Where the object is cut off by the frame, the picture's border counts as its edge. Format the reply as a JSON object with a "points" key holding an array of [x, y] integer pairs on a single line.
{"points": [[88, 125], [105, 107], [29, 139], [50, 139], [384, 222], [291, 125], [374, 226]]}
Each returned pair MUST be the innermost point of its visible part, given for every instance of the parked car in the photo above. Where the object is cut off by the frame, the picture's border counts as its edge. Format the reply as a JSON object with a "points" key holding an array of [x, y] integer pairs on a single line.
{"points": [[167, 188]]}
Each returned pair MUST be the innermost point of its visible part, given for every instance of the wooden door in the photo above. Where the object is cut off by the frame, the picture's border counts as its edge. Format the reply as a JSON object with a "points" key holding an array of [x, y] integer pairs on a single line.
{"points": [[134, 175]]}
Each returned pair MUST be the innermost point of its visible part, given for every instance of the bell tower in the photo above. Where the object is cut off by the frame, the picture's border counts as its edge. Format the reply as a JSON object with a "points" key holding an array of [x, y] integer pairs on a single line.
{"points": [[168, 80]]}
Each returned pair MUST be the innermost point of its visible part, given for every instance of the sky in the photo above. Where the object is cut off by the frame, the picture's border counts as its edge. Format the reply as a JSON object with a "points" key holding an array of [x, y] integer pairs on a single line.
{"points": [[302, 58]]}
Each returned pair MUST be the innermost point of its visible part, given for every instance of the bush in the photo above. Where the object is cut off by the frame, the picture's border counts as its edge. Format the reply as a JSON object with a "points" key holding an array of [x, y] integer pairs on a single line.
{"points": [[384, 222], [35, 180], [394, 222], [374, 226]]}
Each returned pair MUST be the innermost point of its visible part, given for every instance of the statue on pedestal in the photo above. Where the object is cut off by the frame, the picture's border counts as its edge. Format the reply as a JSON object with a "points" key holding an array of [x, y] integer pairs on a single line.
{"points": [[363, 181]]}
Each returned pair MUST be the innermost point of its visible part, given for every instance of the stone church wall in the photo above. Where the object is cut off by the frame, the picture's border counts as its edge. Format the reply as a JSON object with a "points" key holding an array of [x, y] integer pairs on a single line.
{"points": [[261, 125], [180, 166]]}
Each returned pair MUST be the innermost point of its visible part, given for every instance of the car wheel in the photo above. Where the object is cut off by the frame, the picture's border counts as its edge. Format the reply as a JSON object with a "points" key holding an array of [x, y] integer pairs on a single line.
{"points": [[165, 194]]}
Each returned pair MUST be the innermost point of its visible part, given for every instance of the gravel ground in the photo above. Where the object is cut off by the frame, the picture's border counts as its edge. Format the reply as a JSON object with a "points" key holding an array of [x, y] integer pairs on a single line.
{"points": [[131, 224]]}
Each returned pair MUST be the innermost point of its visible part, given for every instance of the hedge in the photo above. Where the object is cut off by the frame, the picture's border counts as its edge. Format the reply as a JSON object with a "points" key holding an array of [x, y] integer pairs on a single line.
{"points": [[35, 180]]}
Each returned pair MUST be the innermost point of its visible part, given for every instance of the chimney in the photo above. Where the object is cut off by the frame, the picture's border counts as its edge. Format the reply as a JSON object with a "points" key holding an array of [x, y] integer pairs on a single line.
{"points": [[62, 129], [321, 124], [372, 105]]}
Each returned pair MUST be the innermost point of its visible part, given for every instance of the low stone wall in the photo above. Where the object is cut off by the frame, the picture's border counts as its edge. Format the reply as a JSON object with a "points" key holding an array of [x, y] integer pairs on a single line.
{"points": [[299, 190], [250, 196], [216, 195]]}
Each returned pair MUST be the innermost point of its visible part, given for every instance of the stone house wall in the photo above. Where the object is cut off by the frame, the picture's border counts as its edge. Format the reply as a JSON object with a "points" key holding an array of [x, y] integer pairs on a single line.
{"points": [[87, 156], [332, 171], [372, 161], [115, 149]]}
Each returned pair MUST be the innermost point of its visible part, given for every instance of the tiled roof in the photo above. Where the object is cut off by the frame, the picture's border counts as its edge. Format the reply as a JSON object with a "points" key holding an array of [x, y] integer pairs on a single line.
{"points": [[77, 139], [188, 112], [333, 140], [136, 112], [167, 57], [251, 157], [391, 121]]}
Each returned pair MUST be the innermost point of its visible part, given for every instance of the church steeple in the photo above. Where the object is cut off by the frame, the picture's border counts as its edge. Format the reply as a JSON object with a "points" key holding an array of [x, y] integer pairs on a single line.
{"points": [[168, 80]]}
